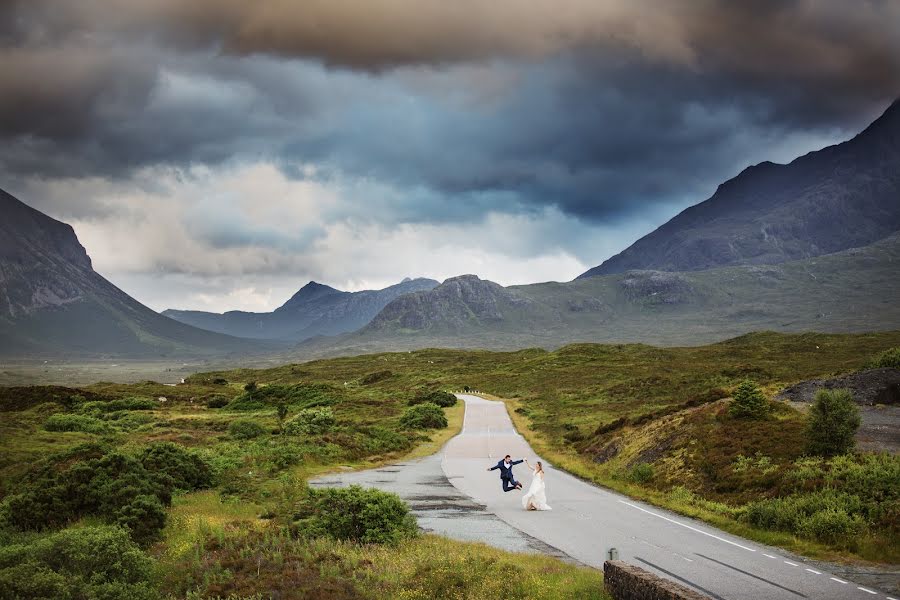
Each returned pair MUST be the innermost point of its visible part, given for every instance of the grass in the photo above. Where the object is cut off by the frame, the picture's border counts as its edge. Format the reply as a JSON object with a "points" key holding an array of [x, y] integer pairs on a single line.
{"points": [[218, 541], [604, 412], [246, 561], [598, 410]]}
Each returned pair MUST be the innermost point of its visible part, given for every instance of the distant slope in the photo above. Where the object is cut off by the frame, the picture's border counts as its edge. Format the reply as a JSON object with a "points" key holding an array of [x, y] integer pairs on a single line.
{"points": [[843, 196], [851, 291], [314, 310], [52, 302]]}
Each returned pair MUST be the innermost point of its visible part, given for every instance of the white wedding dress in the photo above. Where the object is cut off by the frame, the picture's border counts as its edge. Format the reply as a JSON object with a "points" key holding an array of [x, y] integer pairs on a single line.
{"points": [[536, 495]]}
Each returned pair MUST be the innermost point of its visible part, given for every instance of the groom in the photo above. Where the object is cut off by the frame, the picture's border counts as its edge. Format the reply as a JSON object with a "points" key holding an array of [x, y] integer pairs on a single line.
{"points": [[506, 474]]}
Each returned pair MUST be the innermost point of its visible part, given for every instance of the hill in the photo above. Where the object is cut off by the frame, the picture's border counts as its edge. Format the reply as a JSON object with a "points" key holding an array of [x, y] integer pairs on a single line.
{"points": [[840, 197], [849, 291], [54, 303], [315, 309]]}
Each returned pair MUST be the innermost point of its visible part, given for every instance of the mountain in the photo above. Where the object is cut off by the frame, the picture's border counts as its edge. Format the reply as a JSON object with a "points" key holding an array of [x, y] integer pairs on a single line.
{"points": [[52, 302], [854, 290], [315, 309], [843, 196]]}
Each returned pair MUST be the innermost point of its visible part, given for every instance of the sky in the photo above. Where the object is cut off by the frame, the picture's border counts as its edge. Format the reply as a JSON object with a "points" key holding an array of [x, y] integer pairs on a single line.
{"points": [[218, 154]]}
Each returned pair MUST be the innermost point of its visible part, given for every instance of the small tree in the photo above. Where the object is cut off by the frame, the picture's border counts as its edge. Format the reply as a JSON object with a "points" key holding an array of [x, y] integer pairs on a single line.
{"points": [[749, 402], [250, 388], [833, 421], [282, 413]]}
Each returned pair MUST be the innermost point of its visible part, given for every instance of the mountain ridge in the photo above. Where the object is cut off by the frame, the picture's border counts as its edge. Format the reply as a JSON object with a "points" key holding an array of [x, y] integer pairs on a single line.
{"points": [[848, 291], [315, 309], [54, 303], [841, 196]]}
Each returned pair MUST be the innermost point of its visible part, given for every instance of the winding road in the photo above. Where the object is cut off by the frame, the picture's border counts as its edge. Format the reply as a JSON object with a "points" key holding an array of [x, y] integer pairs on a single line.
{"points": [[453, 494]]}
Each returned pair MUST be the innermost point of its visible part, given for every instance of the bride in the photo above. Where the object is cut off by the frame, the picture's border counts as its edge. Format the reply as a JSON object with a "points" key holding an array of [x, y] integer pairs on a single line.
{"points": [[536, 497]]}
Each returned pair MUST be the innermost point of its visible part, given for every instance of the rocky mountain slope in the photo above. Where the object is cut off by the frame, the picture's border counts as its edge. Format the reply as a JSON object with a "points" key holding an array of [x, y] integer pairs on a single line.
{"points": [[52, 302], [843, 196], [850, 291], [315, 309]]}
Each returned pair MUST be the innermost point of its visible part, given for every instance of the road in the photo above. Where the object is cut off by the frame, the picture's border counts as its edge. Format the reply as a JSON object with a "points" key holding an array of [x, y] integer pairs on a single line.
{"points": [[586, 521]]}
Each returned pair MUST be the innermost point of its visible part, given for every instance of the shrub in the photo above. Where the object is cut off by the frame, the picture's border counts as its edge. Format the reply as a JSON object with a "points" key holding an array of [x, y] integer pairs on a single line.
{"points": [[833, 421], [87, 562], [749, 402], [176, 467], [298, 395], [119, 404], [381, 441], [376, 377], [83, 423], [441, 398], [832, 526], [888, 359], [641, 473], [251, 387], [245, 429], [424, 416], [311, 421], [827, 515], [92, 480], [217, 401], [355, 514]]}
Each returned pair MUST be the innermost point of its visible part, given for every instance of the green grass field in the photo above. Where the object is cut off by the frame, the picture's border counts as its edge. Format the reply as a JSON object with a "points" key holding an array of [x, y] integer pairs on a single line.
{"points": [[232, 537], [651, 422]]}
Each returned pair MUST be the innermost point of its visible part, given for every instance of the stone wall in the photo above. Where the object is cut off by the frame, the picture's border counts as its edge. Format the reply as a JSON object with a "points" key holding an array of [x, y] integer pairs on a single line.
{"points": [[628, 582]]}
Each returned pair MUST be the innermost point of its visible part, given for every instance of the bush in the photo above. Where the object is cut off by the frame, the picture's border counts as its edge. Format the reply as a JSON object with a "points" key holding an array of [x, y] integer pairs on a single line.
{"points": [[176, 467], [100, 406], [749, 402], [382, 441], [424, 416], [833, 421], [889, 359], [298, 395], [244, 429], [311, 421], [826, 515], [376, 377], [641, 473], [217, 401], [367, 516], [83, 423], [91, 480], [832, 526], [441, 398], [88, 562]]}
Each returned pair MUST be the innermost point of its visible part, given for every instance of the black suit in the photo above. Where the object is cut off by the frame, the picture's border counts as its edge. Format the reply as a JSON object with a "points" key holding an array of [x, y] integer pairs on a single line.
{"points": [[506, 474]]}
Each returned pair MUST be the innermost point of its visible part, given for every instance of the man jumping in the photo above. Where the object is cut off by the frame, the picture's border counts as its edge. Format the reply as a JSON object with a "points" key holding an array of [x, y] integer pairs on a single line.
{"points": [[506, 474]]}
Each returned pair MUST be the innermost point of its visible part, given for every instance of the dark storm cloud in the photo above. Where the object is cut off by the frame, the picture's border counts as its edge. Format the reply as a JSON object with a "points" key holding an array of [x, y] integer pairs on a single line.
{"points": [[609, 106]]}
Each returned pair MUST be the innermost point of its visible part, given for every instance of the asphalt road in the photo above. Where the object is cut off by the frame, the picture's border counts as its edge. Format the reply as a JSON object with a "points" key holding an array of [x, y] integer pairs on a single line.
{"points": [[586, 521]]}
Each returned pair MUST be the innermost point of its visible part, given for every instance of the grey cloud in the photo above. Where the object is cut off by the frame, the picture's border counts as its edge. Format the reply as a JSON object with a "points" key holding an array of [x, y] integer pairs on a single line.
{"points": [[610, 106]]}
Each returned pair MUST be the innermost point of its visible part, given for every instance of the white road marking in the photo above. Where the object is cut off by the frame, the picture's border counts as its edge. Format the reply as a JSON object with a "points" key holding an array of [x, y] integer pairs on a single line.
{"points": [[721, 539], [839, 580], [770, 556], [868, 591], [814, 572], [787, 562], [889, 598]]}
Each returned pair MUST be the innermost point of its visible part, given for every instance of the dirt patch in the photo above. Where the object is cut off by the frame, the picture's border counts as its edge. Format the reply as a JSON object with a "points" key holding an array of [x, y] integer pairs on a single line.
{"points": [[877, 391], [875, 386]]}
